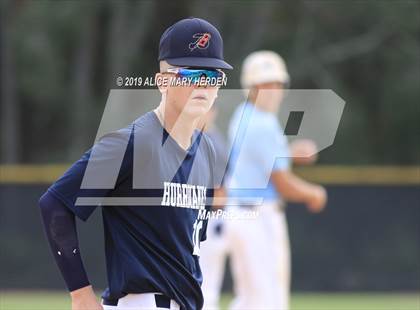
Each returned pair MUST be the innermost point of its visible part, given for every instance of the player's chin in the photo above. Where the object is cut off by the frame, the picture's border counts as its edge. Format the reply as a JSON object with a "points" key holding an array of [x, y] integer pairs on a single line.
{"points": [[197, 107]]}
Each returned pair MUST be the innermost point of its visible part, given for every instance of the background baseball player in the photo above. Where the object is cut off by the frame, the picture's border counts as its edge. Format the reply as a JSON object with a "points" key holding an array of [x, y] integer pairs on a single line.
{"points": [[260, 251], [151, 250]]}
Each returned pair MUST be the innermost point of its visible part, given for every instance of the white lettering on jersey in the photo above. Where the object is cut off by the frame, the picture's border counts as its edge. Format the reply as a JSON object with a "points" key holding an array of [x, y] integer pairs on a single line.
{"points": [[184, 195]]}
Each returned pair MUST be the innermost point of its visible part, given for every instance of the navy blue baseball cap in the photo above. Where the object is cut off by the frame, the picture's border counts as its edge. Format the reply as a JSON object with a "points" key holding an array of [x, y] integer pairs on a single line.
{"points": [[192, 42]]}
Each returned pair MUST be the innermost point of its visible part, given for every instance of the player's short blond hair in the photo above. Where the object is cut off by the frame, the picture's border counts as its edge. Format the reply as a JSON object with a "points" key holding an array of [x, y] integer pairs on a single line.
{"points": [[164, 66]]}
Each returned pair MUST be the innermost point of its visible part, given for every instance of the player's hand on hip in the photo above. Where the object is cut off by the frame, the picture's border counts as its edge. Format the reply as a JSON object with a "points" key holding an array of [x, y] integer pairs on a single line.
{"points": [[85, 299], [318, 199]]}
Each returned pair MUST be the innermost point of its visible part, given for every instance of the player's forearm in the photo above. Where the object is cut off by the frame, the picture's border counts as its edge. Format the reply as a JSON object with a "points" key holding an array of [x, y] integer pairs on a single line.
{"points": [[304, 152], [60, 229], [291, 187], [219, 200]]}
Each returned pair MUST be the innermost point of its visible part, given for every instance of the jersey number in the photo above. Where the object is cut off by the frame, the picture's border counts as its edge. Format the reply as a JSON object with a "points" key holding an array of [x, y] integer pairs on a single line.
{"points": [[196, 236]]}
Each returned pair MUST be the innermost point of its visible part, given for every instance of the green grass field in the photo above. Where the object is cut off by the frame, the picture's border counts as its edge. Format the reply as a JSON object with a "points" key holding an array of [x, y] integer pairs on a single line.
{"points": [[377, 301]]}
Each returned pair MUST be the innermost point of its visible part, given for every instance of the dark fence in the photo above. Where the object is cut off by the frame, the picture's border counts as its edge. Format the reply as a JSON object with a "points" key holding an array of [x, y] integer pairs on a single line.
{"points": [[367, 239]]}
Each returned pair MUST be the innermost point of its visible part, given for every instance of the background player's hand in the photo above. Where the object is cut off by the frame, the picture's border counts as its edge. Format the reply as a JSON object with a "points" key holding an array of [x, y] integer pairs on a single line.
{"points": [[304, 151], [219, 199], [85, 299], [318, 199]]}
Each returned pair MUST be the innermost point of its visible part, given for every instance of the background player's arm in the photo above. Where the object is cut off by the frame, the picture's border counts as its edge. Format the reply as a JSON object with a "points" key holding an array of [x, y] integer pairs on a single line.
{"points": [[295, 189], [60, 228], [304, 152], [269, 144], [219, 198]]}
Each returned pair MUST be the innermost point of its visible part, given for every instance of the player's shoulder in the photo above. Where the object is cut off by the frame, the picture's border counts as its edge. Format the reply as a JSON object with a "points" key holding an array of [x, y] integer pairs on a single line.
{"points": [[247, 117], [140, 130], [114, 138], [145, 124], [143, 129], [266, 123]]}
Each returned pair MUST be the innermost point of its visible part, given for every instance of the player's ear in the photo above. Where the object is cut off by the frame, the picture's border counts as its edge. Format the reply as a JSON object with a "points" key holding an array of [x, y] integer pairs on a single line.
{"points": [[161, 82]]}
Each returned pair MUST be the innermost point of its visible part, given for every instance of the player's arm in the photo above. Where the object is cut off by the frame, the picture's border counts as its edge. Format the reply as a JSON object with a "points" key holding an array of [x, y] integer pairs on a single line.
{"points": [[272, 144], [295, 189], [59, 208], [60, 228], [219, 198], [303, 152]]}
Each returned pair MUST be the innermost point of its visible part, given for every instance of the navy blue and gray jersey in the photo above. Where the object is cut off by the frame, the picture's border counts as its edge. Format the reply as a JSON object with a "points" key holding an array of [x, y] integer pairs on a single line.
{"points": [[151, 192], [221, 151]]}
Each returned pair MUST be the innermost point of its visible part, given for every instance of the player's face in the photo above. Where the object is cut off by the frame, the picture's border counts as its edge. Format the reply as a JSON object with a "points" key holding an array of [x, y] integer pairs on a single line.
{"points": [[269, 96], [192, 100]]}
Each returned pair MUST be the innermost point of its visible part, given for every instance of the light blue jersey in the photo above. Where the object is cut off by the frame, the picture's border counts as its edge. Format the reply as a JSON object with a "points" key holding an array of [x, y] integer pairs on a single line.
{"points": [[258, 148]]}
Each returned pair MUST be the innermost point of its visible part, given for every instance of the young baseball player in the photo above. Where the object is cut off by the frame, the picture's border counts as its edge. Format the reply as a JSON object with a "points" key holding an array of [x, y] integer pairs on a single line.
{"points": [[259, 248], [151, 248]]}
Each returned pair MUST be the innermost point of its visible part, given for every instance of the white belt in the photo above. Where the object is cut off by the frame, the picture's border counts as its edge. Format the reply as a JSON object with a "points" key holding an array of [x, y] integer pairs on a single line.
{"points": [[149, 301]]}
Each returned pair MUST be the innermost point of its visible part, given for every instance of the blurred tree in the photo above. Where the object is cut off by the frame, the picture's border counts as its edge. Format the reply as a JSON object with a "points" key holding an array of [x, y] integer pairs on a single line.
{"points": [[10, 106], [59, 60], [82, 81]]}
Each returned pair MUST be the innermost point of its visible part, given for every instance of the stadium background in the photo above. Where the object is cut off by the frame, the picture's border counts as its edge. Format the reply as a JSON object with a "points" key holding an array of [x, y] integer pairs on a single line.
{"points": [[59, 60]]}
